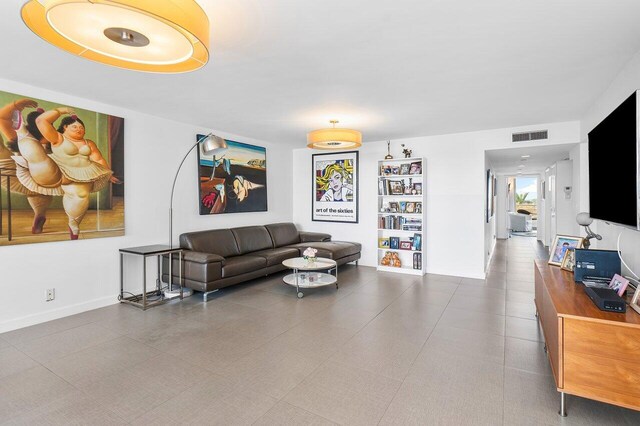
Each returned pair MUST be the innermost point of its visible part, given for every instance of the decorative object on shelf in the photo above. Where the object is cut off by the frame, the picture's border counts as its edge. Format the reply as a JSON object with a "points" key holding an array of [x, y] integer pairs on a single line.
{"points": [[405, 245], [417, 242], [416, 168], [161, 36], [388, 156], [232, 179], [560, 245], [87, 151], [584, 219], [569, 260], [396, 187], [383, 242], [209, 144], [417, 187], [391, 258], [619, 284], [310, 255], [394, 243], [334, 138], [335, 186], [406, 151]]}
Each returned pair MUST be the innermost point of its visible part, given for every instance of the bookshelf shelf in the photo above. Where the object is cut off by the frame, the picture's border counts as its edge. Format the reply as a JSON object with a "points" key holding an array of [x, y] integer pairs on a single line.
{"points": [[401, 188]]}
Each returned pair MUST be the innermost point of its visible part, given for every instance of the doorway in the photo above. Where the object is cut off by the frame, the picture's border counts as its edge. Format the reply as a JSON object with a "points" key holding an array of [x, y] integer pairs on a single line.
{"points": [[522, 205]]}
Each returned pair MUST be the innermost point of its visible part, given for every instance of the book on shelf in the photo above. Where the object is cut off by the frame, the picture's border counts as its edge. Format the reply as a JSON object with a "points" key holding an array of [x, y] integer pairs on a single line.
{"points": [[399, 222]]}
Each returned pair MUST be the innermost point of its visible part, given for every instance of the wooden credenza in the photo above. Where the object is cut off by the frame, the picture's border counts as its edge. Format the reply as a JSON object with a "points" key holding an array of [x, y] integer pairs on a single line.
{"points": [[593, 354]]}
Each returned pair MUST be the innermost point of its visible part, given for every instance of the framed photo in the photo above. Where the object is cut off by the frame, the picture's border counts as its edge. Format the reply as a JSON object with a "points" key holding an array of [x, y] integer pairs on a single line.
{"points": [[234, 181], [569, 260], [386, 170], [395, 170], [403, 207], [560, 245], [635, 301], [405, 245], [383, 243], [416, 168], [411, 207], [417, 242], [404, 168], [335, 187], [619, 284], [418, 188], [395, 187], [394, 243], [393, 207], [418, 207]]}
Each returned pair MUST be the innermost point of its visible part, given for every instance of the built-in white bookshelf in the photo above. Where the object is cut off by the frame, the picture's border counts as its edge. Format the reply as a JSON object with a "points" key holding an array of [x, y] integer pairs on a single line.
{"points": [[401, 215]]}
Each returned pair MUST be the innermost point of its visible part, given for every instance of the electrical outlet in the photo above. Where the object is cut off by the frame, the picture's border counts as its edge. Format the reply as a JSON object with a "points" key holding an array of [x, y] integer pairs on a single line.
{"points": [[51, 294]]}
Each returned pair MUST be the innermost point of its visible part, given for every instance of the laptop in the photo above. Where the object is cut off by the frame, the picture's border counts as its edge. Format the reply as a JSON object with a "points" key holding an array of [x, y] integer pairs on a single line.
{"points": [[596, 265]]}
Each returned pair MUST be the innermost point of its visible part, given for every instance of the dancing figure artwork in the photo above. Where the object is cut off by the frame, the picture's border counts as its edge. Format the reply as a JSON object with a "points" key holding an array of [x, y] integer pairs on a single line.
{"points": [[62, 172]]}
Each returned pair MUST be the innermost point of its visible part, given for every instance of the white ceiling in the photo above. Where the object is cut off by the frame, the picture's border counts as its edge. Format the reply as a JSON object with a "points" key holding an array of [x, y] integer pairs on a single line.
{"points": [[509, 160], [392, 69]]}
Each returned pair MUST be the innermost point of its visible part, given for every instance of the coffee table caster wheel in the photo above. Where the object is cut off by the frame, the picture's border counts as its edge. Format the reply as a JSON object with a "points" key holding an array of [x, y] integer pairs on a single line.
{"points": [[300, 295]]}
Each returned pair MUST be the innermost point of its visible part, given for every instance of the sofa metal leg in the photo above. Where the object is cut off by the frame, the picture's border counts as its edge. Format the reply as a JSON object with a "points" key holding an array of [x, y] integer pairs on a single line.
{"points": [[206, 294]]}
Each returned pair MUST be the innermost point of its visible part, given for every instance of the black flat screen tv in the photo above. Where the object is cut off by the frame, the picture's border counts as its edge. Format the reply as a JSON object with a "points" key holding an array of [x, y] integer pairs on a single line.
{"points": [[613, 166]]}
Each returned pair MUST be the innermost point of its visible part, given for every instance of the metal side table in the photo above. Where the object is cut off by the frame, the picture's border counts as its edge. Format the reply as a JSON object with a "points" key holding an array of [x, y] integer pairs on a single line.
{"points": [[142, 300]]}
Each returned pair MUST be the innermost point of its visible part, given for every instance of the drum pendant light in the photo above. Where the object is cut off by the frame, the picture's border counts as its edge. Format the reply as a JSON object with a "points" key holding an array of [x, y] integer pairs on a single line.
{"points": [[161, 36], [334, 138]]}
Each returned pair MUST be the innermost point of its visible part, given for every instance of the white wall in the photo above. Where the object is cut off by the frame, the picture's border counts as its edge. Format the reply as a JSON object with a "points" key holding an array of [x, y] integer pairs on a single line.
{"points": [[627, 81], [85, 273], [565, 212], [455, 188], [502, 220]]}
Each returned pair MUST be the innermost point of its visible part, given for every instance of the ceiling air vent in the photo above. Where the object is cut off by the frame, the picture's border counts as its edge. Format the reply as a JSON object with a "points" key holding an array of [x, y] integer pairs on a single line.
{"points": [[530, 136]]}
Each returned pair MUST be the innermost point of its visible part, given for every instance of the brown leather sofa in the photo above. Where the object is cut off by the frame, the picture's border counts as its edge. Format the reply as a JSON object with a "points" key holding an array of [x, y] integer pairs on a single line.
{"points": [[218, 258]]}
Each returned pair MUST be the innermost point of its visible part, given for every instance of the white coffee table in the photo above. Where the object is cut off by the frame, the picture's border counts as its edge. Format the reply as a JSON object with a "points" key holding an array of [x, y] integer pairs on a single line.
{"points": [[305, 274]]}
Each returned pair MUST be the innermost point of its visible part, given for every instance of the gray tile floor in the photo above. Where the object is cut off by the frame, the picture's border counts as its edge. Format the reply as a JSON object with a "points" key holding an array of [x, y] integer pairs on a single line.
{"points": [[383, 349]]}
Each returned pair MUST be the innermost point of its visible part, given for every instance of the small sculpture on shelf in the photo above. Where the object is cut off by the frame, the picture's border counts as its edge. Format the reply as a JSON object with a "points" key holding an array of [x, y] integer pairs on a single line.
{"points": [[406, 151], [391, 259], [388, 156]]}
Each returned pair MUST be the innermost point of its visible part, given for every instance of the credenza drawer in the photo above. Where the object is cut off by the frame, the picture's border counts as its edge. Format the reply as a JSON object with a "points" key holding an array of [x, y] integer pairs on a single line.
{"points": [[610, 380], [609, 341]]}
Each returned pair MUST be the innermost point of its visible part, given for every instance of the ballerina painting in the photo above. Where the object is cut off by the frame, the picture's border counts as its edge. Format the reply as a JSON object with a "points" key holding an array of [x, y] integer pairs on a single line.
{"points": [[62, 172]]}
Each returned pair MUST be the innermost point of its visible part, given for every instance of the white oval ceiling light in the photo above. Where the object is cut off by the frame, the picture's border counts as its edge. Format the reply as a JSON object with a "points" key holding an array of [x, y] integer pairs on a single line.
{"points": [[334, 138], [162, 36]]}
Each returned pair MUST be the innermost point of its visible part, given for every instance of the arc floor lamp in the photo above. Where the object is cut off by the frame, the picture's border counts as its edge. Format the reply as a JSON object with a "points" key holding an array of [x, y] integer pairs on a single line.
{"points": [[211, 144]]}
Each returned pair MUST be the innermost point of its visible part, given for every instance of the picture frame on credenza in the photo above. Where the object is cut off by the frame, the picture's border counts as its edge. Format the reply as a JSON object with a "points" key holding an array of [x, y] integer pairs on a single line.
{"points": [[569, 260], [561, 244], [635, 301]]}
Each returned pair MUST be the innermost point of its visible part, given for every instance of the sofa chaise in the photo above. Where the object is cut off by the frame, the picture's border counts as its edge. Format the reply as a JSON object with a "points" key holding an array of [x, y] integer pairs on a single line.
{"points": [[217, 258]]}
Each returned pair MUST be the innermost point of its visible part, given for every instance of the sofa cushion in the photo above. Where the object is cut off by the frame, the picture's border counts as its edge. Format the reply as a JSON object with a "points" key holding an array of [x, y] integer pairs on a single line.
{"points": [[277, 255], [216, 241], [283, 234], [242, 264], [331, 249], [252, 238]]}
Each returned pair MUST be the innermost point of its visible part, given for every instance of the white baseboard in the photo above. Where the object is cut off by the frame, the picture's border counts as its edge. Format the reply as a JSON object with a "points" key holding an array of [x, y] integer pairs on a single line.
{"points": [[53, 314]]}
